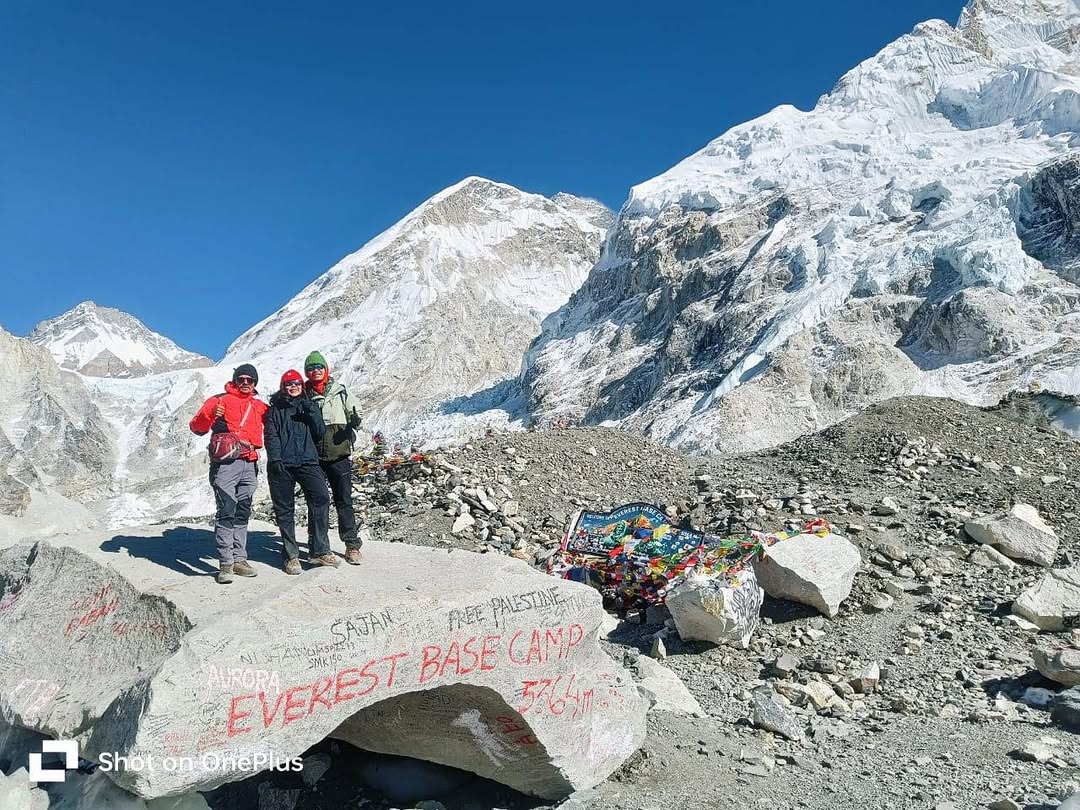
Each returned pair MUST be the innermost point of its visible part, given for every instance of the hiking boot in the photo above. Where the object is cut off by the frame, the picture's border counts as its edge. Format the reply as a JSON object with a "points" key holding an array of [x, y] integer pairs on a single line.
{"points": [[225, 572], [243, 569], [353, 556], [293, 566], [325, 559]]}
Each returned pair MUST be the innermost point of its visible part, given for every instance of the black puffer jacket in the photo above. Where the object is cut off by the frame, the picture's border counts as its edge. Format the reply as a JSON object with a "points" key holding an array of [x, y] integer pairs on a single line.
{"points": [[292, 430]]}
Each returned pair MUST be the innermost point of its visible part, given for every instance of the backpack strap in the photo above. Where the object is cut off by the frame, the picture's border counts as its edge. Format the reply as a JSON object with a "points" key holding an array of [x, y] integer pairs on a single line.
{"points": [[245, 416]]}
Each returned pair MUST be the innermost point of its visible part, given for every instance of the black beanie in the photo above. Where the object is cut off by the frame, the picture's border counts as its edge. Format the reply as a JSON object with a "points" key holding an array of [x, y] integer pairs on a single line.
{"points": [[247, 369]]}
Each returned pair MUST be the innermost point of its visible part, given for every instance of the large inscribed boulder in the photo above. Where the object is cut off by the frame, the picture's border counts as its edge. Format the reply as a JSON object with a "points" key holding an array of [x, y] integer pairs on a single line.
{"points": [[474, 661]]}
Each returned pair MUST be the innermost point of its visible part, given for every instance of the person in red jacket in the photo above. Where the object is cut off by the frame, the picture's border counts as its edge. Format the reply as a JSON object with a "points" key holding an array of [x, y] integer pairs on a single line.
{"points": [[236, 411]]}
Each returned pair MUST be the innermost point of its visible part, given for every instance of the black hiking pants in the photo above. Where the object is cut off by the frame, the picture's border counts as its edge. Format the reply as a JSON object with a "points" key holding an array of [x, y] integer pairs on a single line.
{"points": [[282, 492], [339, 477]]}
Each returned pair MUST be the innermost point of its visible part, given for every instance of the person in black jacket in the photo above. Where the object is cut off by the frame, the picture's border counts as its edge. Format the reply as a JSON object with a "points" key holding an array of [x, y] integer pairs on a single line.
{"points": [[292, 431]]}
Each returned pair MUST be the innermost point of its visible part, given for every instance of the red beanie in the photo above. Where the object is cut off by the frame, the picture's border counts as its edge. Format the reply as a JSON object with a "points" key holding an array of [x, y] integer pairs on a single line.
{"points": [[292, 375]]}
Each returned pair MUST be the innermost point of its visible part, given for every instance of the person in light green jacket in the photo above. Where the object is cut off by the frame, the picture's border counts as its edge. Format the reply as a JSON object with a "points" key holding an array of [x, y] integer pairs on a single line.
{"points": [[341, 414]]}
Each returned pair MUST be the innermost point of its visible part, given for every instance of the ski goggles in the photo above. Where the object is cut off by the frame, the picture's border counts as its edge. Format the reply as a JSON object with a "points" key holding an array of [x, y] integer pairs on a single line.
{"points": [[315, 367]]}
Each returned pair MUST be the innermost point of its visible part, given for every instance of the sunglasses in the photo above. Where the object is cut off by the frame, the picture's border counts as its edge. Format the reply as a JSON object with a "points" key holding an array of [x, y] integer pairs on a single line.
{"points": [[315, 368], [294, 384], [245, 380]]}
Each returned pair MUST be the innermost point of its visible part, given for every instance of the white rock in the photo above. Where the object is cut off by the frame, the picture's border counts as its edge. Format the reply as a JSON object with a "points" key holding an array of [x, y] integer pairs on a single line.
{"points": [[1061, 665], [463, 521], [1052, 600], [17, 793], [990, 557], [866, 681], [1020, 534], [1021, 623], [811, 570], [664, 690], [713, 609], [886, 507], [1036, 751], [820, 694]]}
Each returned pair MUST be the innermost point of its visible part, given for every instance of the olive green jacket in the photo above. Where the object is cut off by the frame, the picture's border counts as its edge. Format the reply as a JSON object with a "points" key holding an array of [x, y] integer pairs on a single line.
{"points": [[337, 406]]}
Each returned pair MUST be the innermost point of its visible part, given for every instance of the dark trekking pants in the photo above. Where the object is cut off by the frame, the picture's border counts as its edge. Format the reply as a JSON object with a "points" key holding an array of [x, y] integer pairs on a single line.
{"points": [[234, 485], [339, 477], [282, 493]]}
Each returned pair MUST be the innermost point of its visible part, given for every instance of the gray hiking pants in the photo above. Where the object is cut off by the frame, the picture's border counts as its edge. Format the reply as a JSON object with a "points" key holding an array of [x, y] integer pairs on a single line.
{"points": [[234, 485]]}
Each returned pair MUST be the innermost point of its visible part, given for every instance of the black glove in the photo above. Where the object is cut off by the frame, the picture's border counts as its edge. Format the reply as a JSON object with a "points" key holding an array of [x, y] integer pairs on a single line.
{"points": [[277, 467], [354, 419]]}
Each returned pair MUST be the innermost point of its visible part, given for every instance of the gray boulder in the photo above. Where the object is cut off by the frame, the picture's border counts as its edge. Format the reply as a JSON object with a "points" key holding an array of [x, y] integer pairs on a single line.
{"points": [[1053, 602], [1066, 709], [716, 609], [811, 570], [472, 661], [1061, 665], [1020, 534]]}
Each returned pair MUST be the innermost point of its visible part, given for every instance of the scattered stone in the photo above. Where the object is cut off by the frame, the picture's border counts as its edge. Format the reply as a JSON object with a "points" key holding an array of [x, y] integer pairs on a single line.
{"points": [[770, 715], [658, 650], [785, 665], [820, 694], [886, 507], [463, 522], [1062, 665], [315, 768], [867, 680], [990, 557], [1004, 804], [1035, 751], [664, 690], [811, 570], [272, 797], [1020, 623], [1020, 534], [878, 602]]}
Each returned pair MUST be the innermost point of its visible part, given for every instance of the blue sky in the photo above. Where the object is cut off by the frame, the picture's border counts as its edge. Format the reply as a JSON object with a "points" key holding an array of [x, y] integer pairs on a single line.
{"points": [[198, 163]]}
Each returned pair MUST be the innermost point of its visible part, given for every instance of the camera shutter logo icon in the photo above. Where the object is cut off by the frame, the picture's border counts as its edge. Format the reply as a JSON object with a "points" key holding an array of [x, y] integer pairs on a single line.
{"points": [[70, 750]]}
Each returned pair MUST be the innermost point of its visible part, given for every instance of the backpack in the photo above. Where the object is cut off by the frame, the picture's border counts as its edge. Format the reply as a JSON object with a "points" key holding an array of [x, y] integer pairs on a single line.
{"points": [[227, 446]]}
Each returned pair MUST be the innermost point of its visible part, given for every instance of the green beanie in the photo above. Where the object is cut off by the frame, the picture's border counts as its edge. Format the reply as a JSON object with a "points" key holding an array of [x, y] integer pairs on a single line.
{"points": [[314, 359]]}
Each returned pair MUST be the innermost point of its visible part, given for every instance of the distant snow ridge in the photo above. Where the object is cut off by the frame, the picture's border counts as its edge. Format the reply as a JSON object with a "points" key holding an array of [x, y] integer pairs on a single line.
{"points": [[916, 232], [105, 342], [442, 304]]}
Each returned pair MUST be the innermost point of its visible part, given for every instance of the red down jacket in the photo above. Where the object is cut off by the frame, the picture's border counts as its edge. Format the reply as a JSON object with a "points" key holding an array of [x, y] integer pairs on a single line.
{"points": [[235, 404]]}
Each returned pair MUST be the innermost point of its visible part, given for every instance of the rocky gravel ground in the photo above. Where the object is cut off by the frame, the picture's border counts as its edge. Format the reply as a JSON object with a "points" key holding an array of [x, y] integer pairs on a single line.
{"points": [[922, 692]]}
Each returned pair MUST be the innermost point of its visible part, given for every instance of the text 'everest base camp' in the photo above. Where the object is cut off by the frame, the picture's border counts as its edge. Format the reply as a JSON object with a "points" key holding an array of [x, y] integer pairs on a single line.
{"points": [[761, 492]]}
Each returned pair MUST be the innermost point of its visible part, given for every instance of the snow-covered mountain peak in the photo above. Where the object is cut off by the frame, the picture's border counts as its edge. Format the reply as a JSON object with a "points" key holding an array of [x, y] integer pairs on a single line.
{"points": [[105, 342], [443, 302], [914, 232]]}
